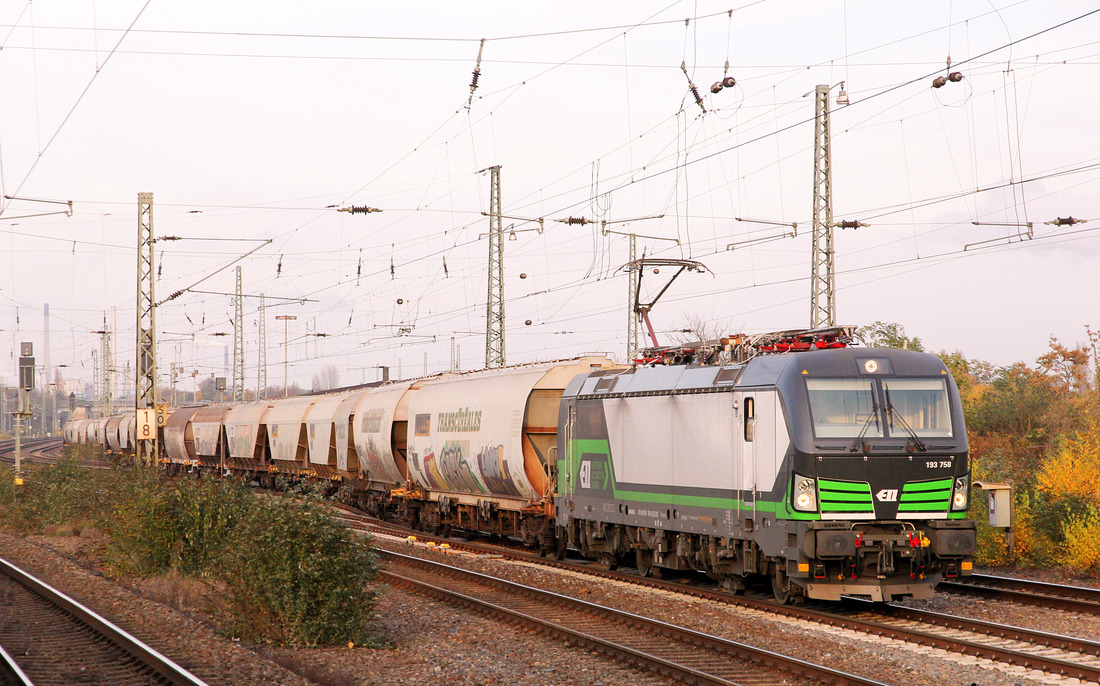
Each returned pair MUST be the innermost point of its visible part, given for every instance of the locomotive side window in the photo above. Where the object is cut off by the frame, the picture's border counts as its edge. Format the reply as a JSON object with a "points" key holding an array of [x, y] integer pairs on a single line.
{"points": [[750, 419], [590, 422], [843, 408], [921, 404]]}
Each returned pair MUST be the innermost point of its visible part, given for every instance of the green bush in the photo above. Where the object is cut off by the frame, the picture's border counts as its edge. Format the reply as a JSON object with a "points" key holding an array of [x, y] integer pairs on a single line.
{"points": [[293, 574], [51, 495], [158, 525], [296, 576]]}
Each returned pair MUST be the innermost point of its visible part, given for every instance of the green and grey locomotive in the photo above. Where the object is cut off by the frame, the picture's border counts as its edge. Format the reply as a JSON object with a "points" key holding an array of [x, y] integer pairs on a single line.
{"points": [[837, 470], [832, 470]]}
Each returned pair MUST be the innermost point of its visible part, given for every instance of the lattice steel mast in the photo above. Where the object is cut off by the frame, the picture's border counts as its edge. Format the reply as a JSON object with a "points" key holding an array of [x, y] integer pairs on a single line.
{"points": [[261, 380], [145, 394], [238, 342], [107, 365], [822, 282], [97, 385], [632, 315], [494, 312]]}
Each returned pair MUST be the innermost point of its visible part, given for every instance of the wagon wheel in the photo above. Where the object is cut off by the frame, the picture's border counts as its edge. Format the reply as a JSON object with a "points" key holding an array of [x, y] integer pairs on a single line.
{"points": [[607, 560], [559, 548], [644, 562], [781, 585]]}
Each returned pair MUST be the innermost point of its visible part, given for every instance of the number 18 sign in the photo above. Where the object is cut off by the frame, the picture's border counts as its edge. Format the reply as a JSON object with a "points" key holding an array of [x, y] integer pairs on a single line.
{"points": [[146, 429]]}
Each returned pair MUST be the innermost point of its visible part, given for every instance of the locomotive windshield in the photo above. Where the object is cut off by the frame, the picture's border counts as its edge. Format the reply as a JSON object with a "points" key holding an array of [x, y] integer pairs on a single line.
{"points": [[920, 404], [843, 408], [848, 408]]}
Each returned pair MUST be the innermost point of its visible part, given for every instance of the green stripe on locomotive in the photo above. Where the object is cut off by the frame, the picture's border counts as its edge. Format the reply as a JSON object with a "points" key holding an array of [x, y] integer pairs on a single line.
{"points": [[613, 490]]}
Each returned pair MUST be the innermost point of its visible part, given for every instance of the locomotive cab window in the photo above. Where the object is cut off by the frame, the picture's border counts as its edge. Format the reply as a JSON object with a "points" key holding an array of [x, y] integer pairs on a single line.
{"points": [[843, 408], [920, 404]]}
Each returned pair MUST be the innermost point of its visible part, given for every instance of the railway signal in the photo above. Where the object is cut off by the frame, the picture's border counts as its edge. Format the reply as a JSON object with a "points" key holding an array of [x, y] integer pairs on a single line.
{"points": [[26, 385]]}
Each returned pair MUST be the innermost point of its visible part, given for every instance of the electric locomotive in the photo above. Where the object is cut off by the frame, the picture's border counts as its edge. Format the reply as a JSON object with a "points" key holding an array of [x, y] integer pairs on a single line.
{"points": [[829, 469], [835, 471]]}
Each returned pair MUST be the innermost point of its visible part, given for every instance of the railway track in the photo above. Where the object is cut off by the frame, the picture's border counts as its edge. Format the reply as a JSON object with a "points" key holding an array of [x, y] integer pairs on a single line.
{"points": [[10, 673], [676, 651], [46, 451], [1018, 646], [55, 640], [41, 450], [1038, 593]]}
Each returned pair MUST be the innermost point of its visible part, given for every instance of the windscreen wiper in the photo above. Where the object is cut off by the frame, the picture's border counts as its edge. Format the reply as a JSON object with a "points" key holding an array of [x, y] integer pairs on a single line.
{"points": [[916, 441], [858, 442]]}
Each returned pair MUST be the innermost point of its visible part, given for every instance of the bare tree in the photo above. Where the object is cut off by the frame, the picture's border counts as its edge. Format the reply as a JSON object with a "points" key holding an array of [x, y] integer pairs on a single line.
{"points": [[697, 328], [326, 379]]}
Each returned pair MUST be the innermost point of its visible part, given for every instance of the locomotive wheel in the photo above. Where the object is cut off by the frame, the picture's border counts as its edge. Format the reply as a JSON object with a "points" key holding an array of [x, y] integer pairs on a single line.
{"points": [[559, 548], [781, 585], [644, 562]]}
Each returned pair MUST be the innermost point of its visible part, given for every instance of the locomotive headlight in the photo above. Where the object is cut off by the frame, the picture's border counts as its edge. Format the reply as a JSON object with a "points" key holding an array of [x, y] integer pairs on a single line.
{"points": [[960, 498], [805, 494]]}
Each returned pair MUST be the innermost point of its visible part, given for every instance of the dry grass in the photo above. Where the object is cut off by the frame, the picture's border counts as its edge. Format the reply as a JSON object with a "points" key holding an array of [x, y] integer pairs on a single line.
{"points": [[179, 592], [323, 676], [62, 530]]}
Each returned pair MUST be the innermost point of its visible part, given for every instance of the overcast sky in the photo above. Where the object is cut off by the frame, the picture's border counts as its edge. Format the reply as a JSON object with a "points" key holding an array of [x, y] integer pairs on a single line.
{"points": [[251, 123]]}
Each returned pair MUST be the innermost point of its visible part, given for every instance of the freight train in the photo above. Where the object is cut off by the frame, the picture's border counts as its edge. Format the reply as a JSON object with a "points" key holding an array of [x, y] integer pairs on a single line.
{"points": [[793, 457]]}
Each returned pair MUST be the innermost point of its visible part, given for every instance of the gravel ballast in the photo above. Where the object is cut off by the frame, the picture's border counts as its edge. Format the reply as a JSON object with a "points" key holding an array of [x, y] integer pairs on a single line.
{"points": [[429, 642]]}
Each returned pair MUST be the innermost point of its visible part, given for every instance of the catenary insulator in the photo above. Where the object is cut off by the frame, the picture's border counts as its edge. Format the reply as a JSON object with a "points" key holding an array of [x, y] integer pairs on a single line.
{"points": [[523, 275], [400, 301], [955, 76], [716, 87], [698, 98], [1067, 221], [850, 224], [359, 209], [729, 82], [939, 81], [528, 322]]}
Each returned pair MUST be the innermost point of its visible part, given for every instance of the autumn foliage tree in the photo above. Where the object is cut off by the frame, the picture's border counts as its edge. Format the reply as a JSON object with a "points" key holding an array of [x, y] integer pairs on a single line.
{"points": [[1038, 427], [1069, 486]]}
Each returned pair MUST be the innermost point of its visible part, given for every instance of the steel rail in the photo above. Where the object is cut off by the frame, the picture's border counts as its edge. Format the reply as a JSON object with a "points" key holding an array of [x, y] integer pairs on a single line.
{"points": [[33, 447], [722, 648], [10, 672], [1001, 631], [1037, 593], [164, 667], [1023, 658]]}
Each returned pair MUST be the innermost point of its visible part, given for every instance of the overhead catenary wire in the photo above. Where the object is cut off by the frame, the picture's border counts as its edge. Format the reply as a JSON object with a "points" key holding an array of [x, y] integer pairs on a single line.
{"points": [[470, 274]]}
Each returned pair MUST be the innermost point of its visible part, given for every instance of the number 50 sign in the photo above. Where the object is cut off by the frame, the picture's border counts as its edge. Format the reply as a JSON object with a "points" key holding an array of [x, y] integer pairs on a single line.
{"points": [[146, 429]]}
